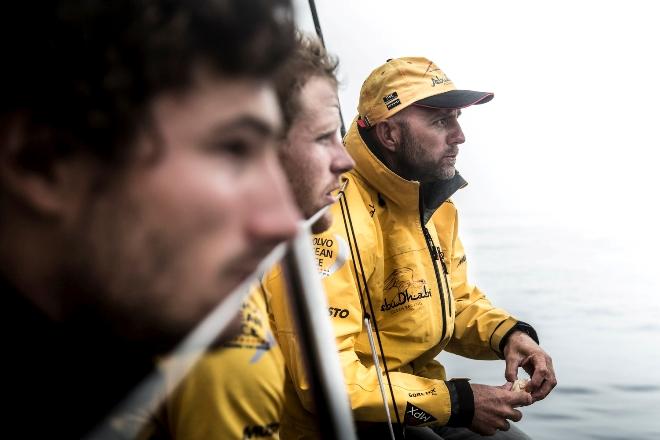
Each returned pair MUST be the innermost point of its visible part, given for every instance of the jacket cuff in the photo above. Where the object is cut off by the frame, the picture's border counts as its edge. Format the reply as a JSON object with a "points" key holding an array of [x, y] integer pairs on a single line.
{"points": [[500, 332], [462, 403], [520, 326]]}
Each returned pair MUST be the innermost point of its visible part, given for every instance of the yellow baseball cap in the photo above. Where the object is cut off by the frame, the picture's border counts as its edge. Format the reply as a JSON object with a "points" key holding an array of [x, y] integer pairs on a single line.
{"points": [[401, 82]]}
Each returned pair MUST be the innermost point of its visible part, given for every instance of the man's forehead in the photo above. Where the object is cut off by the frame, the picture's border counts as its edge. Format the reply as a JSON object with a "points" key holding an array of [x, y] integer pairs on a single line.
{"points": [[432, 111], [223, 103], [318, 91], [427, 113]]}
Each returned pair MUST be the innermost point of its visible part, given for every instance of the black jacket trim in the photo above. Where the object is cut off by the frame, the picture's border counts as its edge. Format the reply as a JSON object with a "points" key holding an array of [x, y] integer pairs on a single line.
{"points": [[520, 326], [462, 403]]}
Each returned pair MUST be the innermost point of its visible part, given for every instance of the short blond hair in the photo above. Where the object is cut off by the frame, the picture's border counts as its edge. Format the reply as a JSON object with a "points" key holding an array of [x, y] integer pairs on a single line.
{"points": [[309, 59]]}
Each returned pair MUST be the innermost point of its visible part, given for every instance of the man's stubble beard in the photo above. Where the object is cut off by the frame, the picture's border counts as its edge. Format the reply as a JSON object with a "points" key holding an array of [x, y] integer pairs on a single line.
{"points": [[111, 265], [411, 165]]}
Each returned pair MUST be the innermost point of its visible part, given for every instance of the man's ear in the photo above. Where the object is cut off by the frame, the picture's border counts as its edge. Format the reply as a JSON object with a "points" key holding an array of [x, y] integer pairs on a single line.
{"points": [[32, 175], [388, 133]]}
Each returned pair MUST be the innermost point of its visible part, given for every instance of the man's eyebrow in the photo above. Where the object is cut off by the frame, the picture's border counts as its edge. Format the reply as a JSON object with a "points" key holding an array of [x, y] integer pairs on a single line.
{"points": [[434, 114], [247, 122]]}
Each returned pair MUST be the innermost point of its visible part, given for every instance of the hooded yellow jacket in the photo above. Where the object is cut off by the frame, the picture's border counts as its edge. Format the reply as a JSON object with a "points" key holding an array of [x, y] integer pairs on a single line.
{"points": [[402, 239]]}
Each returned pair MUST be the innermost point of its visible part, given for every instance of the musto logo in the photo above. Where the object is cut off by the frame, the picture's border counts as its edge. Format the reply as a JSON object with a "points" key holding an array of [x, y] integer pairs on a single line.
{"points": [[338, 312], [401, 288]]}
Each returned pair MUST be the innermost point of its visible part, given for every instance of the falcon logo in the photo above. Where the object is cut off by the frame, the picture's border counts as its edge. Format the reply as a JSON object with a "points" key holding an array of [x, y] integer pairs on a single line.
{"points": [[402, 288]]}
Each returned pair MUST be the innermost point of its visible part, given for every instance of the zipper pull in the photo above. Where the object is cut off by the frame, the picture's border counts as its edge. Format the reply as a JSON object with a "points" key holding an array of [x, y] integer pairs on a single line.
{"points": [[434, 252], [442, 260]]}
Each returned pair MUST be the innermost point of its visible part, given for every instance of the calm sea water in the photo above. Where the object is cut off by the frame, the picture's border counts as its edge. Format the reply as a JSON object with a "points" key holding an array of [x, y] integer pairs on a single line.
{"points": [[594, 297]]}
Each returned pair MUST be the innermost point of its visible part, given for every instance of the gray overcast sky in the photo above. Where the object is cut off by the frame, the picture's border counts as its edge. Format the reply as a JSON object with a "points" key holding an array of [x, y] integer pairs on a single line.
{"points": [[574, 120]]}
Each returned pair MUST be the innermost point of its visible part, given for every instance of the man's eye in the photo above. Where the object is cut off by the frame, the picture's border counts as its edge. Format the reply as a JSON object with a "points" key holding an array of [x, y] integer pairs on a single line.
{"points": [[442, 122], [327, 137], [238, 148]]}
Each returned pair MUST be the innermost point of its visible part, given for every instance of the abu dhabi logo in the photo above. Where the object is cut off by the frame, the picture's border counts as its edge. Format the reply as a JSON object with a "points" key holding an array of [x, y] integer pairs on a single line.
{"points": [[439, 80], [401, 287]]}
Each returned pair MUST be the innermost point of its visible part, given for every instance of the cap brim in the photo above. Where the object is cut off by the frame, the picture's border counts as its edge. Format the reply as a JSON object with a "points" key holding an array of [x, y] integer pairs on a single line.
{"points": [[456, 99]]}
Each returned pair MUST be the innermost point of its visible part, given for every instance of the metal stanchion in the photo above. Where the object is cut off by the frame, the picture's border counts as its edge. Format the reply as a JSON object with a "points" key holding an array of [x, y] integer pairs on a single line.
{"points": [[310, 310]]}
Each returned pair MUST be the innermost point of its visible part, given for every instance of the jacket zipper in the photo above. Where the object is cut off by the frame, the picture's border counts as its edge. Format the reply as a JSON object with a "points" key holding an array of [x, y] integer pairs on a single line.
{"points": [[446, 276], [435, 256]]}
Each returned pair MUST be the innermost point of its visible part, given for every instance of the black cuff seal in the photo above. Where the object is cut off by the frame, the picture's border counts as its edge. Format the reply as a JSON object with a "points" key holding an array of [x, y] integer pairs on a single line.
{"points": [[462, 403], [520, 326]]}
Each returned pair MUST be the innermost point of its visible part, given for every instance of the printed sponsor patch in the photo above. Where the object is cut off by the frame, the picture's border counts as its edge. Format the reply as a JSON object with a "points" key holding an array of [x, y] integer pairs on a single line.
{"points": [[391, 100], [330, 253], [417, 416]]}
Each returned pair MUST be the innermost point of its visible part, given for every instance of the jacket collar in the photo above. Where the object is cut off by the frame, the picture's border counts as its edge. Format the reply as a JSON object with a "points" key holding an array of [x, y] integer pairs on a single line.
{"points": [[402, 192]]}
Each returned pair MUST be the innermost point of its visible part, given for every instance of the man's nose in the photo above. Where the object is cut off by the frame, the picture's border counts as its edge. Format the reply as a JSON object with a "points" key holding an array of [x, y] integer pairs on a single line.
{"points": [[457, 136], [342, 162], [275, 215]]}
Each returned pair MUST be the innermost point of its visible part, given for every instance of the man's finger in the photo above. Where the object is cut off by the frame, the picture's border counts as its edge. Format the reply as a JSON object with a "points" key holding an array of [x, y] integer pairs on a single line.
{"points": [[503, 425], [520, 398], [545, 389], [515, 415], [511, 371], [538, 369]]}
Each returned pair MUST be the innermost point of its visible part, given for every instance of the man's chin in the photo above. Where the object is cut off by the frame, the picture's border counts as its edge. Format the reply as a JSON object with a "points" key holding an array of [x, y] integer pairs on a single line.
{"points": [[446, 174], [450, 173]]}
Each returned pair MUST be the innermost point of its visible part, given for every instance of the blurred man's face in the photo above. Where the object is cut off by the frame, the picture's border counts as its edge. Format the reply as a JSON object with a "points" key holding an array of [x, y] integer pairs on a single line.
{"points": [[192, 216], [313, 155]]}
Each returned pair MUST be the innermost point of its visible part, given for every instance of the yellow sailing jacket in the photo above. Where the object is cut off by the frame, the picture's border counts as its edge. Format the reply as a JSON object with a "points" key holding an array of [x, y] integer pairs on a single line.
{"points": [[235, 392], [415, 272]]}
